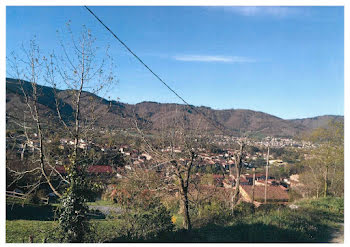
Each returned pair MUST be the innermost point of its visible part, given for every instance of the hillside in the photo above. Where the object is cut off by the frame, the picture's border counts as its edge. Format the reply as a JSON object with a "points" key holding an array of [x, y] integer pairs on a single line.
{"points": [[316, 122], [155, 116]]}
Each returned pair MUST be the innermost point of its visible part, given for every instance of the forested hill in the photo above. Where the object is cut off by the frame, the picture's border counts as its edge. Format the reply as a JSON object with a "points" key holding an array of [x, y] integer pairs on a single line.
{"points": [[156, 116]]}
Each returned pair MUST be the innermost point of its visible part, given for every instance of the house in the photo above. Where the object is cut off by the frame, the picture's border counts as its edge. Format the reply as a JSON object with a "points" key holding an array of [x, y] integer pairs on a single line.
{"points": [[218, 180], [297, 185], [277, 162], [146, 156], [275, 194], [210, 191], [244, 181], [231, 181]]}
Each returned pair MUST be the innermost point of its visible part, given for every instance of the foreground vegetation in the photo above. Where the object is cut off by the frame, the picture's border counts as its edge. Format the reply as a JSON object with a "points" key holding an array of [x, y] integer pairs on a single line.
{"points": [[315, 220]]}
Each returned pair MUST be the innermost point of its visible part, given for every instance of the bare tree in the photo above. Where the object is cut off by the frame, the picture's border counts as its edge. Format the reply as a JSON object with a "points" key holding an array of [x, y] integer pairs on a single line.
{"points": [[84, 74], [176, 155], [238, 157], [30, 68], [80, 69]]}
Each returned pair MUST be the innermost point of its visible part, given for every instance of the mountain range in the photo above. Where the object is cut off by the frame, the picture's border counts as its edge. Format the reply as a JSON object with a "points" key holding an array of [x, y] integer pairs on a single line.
{"points": [[155, 116]]}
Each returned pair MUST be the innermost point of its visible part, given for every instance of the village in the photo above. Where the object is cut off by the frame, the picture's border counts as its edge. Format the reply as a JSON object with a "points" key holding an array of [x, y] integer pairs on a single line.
{"points": [[252, 186]]}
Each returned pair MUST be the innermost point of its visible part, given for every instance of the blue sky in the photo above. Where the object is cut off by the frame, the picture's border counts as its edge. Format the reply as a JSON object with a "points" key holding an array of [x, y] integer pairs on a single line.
{"points": [[285, 61]]}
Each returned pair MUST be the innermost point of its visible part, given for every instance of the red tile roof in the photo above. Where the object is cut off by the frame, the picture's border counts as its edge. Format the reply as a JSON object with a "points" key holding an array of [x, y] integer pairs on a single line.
{"points": [[273, 192], [217, 192]]}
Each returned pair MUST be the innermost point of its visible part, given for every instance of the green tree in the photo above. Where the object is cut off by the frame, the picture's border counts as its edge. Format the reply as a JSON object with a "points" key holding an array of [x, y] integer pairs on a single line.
{"points": [[327, 159]]}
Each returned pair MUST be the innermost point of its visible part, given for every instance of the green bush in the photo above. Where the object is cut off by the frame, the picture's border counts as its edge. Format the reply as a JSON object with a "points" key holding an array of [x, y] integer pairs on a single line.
{"points": [[214, 212], [146, 223], [73, 220], [33, 198], [172, 204], [332, 204], [94, 189], [243, 209], [267, 208], [293, 195], [329, 203]]}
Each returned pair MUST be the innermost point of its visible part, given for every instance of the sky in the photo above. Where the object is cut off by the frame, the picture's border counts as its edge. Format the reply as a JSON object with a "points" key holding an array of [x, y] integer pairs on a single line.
{"points": [[285, 61]]}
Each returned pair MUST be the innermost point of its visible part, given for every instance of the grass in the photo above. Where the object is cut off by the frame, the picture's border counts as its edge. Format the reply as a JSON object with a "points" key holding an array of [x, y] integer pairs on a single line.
{"points": [[101, 203], [25, 219], [330, 204], [19, 231], [313, 222]]}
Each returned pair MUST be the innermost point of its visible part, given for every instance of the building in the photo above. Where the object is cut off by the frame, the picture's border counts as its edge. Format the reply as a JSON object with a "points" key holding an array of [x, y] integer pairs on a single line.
{"points": [[275, 194]]}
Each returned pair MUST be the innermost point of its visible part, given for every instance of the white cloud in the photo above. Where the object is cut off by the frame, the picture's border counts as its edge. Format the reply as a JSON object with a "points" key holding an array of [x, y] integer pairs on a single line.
{"points": [[275, 11], [205, 58]]}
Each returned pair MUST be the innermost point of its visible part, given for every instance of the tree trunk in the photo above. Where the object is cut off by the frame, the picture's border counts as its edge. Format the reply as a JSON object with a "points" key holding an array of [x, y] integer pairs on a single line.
{"points": [[326, 182], [267, 173], [185, 210], [41, 137], [235, 196], [238, 161], [253, 188]]}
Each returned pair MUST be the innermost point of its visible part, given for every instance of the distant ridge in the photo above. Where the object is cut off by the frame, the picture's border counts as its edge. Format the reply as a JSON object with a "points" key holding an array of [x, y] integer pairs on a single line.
{"points": [[154, 116]]}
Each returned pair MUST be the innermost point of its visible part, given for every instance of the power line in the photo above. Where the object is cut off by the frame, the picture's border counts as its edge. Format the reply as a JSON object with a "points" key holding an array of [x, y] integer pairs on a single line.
{"points": [[160, 79]]}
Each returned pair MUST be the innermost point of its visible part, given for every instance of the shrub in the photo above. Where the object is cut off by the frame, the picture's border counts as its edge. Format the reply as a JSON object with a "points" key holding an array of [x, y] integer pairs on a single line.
{"points": [[267, 208], [333, 204], [142, 223], [243, 209], [95, 190], [73, 221], [144, 217], [172, 204], [214, 212], [329, 203], [33, 198], [294, 196]]}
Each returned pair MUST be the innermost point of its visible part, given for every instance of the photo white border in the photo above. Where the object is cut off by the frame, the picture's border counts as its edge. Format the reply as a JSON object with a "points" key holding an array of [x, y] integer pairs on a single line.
{"points": [[5, 3]]}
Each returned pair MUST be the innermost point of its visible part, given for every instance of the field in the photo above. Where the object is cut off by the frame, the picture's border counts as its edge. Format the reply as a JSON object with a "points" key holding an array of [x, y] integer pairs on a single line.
{"points": [[314, 220]]}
